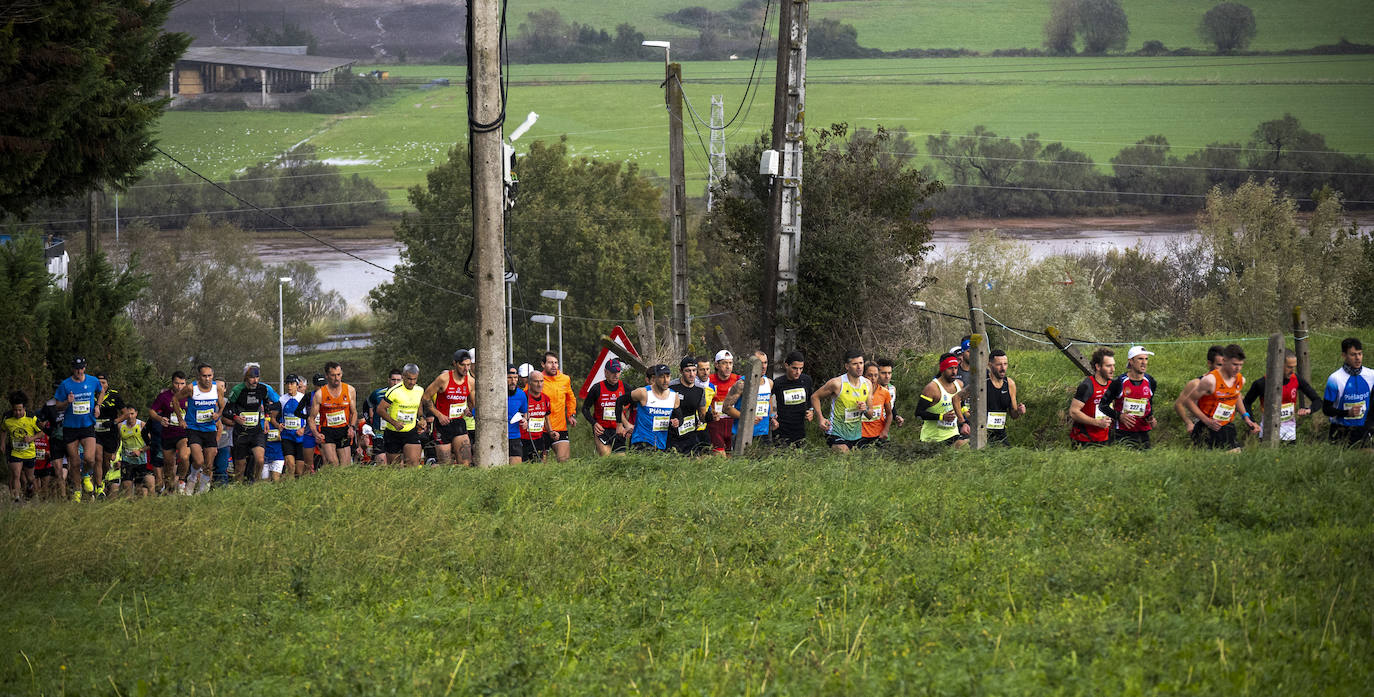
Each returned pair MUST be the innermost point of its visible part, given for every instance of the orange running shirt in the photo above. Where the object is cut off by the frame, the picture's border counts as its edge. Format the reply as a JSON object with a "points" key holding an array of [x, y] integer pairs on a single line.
{"points": [[559, 390], [1221, 404], [873, 428], [336, 411]]}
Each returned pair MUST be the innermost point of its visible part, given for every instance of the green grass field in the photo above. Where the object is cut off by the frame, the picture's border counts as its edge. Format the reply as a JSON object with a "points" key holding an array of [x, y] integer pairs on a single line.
{"points": [[1094, 105], [1014, 572]]}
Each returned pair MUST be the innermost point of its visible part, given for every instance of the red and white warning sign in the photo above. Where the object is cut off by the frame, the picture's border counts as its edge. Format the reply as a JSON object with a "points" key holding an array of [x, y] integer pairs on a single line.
{"points": [[598, 373]]}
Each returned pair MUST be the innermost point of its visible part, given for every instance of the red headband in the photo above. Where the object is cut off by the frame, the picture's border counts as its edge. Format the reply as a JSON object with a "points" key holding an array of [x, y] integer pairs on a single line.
{"points": [[950, 362]]}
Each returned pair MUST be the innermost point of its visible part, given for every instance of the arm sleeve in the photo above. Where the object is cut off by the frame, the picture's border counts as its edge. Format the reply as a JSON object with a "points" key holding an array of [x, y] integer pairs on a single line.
{"points": [[1305, 387], [1331, 401], [1084, 393], [623, 402], [593, 397], [1113, 391], [1255, 392], [923, 405]]}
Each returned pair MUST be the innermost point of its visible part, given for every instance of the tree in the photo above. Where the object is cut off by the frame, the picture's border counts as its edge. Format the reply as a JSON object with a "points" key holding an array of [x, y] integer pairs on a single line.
{"points": [[1100, 24], [1062, 27], [80, 83], [591, 228], [828, 38], [867, 231], [24, 305], [1230, 26], [996, 176], [1153, 179]]}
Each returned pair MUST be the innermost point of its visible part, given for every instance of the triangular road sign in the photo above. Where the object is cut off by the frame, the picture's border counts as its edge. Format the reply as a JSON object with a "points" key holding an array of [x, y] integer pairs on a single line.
{"points": [[599, 367]]}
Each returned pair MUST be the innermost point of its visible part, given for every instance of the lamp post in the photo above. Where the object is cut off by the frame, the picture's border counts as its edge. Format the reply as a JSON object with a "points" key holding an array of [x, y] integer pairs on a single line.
{"points": [[511, 278], [547, 321], [281, 333], [560, 296]]}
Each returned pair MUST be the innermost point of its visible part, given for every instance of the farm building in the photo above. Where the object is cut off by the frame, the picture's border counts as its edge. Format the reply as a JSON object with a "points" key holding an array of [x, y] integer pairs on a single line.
{"points": [[260, 70]]}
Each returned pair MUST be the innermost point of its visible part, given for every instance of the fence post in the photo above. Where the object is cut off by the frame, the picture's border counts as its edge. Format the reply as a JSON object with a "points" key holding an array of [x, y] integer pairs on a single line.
{"points": [[1300, 348], [744, 425], [977, 392], [1273, 390], [1069, 352]]}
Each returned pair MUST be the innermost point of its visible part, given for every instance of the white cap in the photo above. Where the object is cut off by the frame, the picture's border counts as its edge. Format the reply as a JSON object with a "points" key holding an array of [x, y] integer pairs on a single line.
{"points": [[724, 355], [956, 350], [525, 370], [1138, 351]]}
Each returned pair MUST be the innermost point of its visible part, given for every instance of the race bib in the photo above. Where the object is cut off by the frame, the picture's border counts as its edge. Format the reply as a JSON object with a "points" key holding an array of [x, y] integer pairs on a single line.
{"points": [[81, 408], [1286, 411], [273, 434], [718, 408], [456, 409], [689, 424], [204, 416], [1358, 405], [1133, 406], [852, 415], [406, 417], [997, 419], [661, 423], [947, 419], [608, 413], [877, 415], [1223, 412], [794, 396], [173, 419], [536, 424], [250, 419], [335, 419], [761, 408], [293, 422]]}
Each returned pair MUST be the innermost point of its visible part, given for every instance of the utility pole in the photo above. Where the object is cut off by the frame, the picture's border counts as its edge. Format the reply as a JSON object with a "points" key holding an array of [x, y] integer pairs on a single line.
{"points": [[92, 215], [717, 154], [488, 211], [785, 217], [678, 209]]}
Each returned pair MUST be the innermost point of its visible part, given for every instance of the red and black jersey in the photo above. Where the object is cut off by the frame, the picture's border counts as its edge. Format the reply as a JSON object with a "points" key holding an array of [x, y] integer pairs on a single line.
{"points": [[536, 423], [601, 404], [1126, 396], [1090, 394]]}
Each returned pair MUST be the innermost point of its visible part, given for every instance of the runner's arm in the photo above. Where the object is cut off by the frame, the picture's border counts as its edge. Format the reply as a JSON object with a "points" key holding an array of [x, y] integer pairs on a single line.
{"points": [[593, 397], [1016, 408], [1109, 397], [1306, 389], [1256, 392], [1181, 404], [1080, 398]]}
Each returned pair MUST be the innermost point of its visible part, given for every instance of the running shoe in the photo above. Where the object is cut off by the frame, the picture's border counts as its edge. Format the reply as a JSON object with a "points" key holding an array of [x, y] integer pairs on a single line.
{"points": [[76, 496], [86, 482]]}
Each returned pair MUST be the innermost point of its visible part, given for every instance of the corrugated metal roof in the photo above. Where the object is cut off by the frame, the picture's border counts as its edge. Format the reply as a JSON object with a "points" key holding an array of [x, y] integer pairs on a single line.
{"points": [[264, 59]]}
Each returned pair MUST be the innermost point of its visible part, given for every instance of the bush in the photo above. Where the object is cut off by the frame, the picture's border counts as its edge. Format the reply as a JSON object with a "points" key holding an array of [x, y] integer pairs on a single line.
{"points": [[349, 93]]}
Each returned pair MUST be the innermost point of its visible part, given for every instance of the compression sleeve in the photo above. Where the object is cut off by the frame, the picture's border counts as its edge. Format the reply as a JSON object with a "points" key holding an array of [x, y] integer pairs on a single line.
{"points": [[1306, 388], [1256, 392], [923, 405], [1105, 406], [593, 397]]}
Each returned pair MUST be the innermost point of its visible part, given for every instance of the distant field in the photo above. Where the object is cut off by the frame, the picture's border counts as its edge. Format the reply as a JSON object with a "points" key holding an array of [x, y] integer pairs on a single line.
{"points": [[1094, 105]]}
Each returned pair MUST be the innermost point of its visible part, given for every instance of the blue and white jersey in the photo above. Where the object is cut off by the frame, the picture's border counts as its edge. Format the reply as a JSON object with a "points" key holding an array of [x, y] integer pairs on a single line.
{"points": [[653, 417], [762, 407], [290, 421], [200, 408], [81, 412], [1344, 390]]}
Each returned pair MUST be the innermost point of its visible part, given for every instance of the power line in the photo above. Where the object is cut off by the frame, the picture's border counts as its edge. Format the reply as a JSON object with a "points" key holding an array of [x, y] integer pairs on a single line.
{"points": [[758, 52]]}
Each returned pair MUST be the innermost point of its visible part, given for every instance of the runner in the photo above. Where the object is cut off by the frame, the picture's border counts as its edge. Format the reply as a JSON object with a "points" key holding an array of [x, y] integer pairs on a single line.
{"points": [[689, 438], [400, 408], [1089, 426], [373, 415], [885, 377], [851, 398], [332, 417], [704, 377], [876, 427], [558, 386], [1129, 401], [47, 468], [273, 455], [1288, 399], [601, 409], [941, 406], [792, 394], [517, 411], [449, 399], [961, 352], [18, 441], [250, 404], [1214, 402], [656, 410], [138, 478], [204, 405], [293, 428], [106, 433], [764, 409], [1002, 401], [721, 427], [536, 437], [50, 418], [77, 397], [1214, 361], [1346, 400], [176, 455]]}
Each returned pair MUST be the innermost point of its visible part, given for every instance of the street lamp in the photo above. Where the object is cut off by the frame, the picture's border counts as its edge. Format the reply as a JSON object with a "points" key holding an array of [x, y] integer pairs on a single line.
{"points": [[545, 320], [281, 333], [665, 45], [560, 296], [511, 278]]}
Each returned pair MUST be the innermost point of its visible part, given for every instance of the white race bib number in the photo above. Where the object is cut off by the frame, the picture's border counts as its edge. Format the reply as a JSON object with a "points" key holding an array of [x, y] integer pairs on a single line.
{"points": [[81, 408], [997, 419], [608, 413], [250, 419], [761, 408], [794, 396], [718, 408], [689, 424], [661, 423], [1356, 408], [293, 422], [852, 415], [1133, 406], [1286, 411], [947, 419], [204, 416], [335, 419], [536, 424], [406, 417], [273, 434], [456, 409], [173, 419], [1223, 412], [877, 415]]}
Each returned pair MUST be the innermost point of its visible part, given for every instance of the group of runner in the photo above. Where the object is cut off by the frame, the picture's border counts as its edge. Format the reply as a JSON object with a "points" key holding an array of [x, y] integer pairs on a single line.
{"points": [[86, 439]]}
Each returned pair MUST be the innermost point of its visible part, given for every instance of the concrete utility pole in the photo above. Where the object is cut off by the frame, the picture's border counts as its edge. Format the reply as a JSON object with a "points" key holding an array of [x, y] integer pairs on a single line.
{"points": [[789, 127], [488, 208], [678, 210]]}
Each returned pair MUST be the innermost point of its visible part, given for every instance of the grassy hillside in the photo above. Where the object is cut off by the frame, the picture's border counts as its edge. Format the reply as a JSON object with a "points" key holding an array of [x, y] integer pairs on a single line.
{"points": [[615, 111], [1015, 572]]}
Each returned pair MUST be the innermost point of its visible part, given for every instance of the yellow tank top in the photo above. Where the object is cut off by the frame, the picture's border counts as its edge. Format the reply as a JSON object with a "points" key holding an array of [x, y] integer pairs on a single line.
{"points": [[403, 407], [937, 431], [846, 412]]}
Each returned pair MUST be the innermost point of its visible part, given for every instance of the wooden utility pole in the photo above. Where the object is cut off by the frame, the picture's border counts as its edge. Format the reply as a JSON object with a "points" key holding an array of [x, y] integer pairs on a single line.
{"points": [[978, 391], [744, 425], [1069, 351], [92, 216], [784, 206], [488, 210], [677, 227], [1300, 348], [1273, 389]]}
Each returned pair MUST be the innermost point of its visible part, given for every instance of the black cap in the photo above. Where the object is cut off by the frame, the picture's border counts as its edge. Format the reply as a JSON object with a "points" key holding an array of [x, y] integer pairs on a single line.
{"points": [[293, 378], [686, 361], [461, 355], [659, 369], [100, 375], [318, 380], [78, 362], [510, 368]]}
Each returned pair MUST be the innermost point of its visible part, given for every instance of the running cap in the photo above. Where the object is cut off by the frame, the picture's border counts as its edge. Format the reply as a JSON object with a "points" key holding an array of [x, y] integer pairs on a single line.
{"points": [[614, 365], [318, 380], [660, 369], [78, 362], [525, 370], [965, 344], [510, 368], [293, 378], [461, 355], [687, 361], [100, 375], [724, 355], [1138, 351], [949, 362], [956, 350]]}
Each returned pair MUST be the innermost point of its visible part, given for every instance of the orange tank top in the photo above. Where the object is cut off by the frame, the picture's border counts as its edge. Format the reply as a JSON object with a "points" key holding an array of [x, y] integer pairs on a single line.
{"points": [[1221, 404], [336, 411]]}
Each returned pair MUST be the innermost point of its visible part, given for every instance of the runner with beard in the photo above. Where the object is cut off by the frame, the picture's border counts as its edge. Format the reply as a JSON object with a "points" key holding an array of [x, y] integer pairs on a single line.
{"points": [[689, 437], [792, 393], [601, 409], [449, 399]]}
